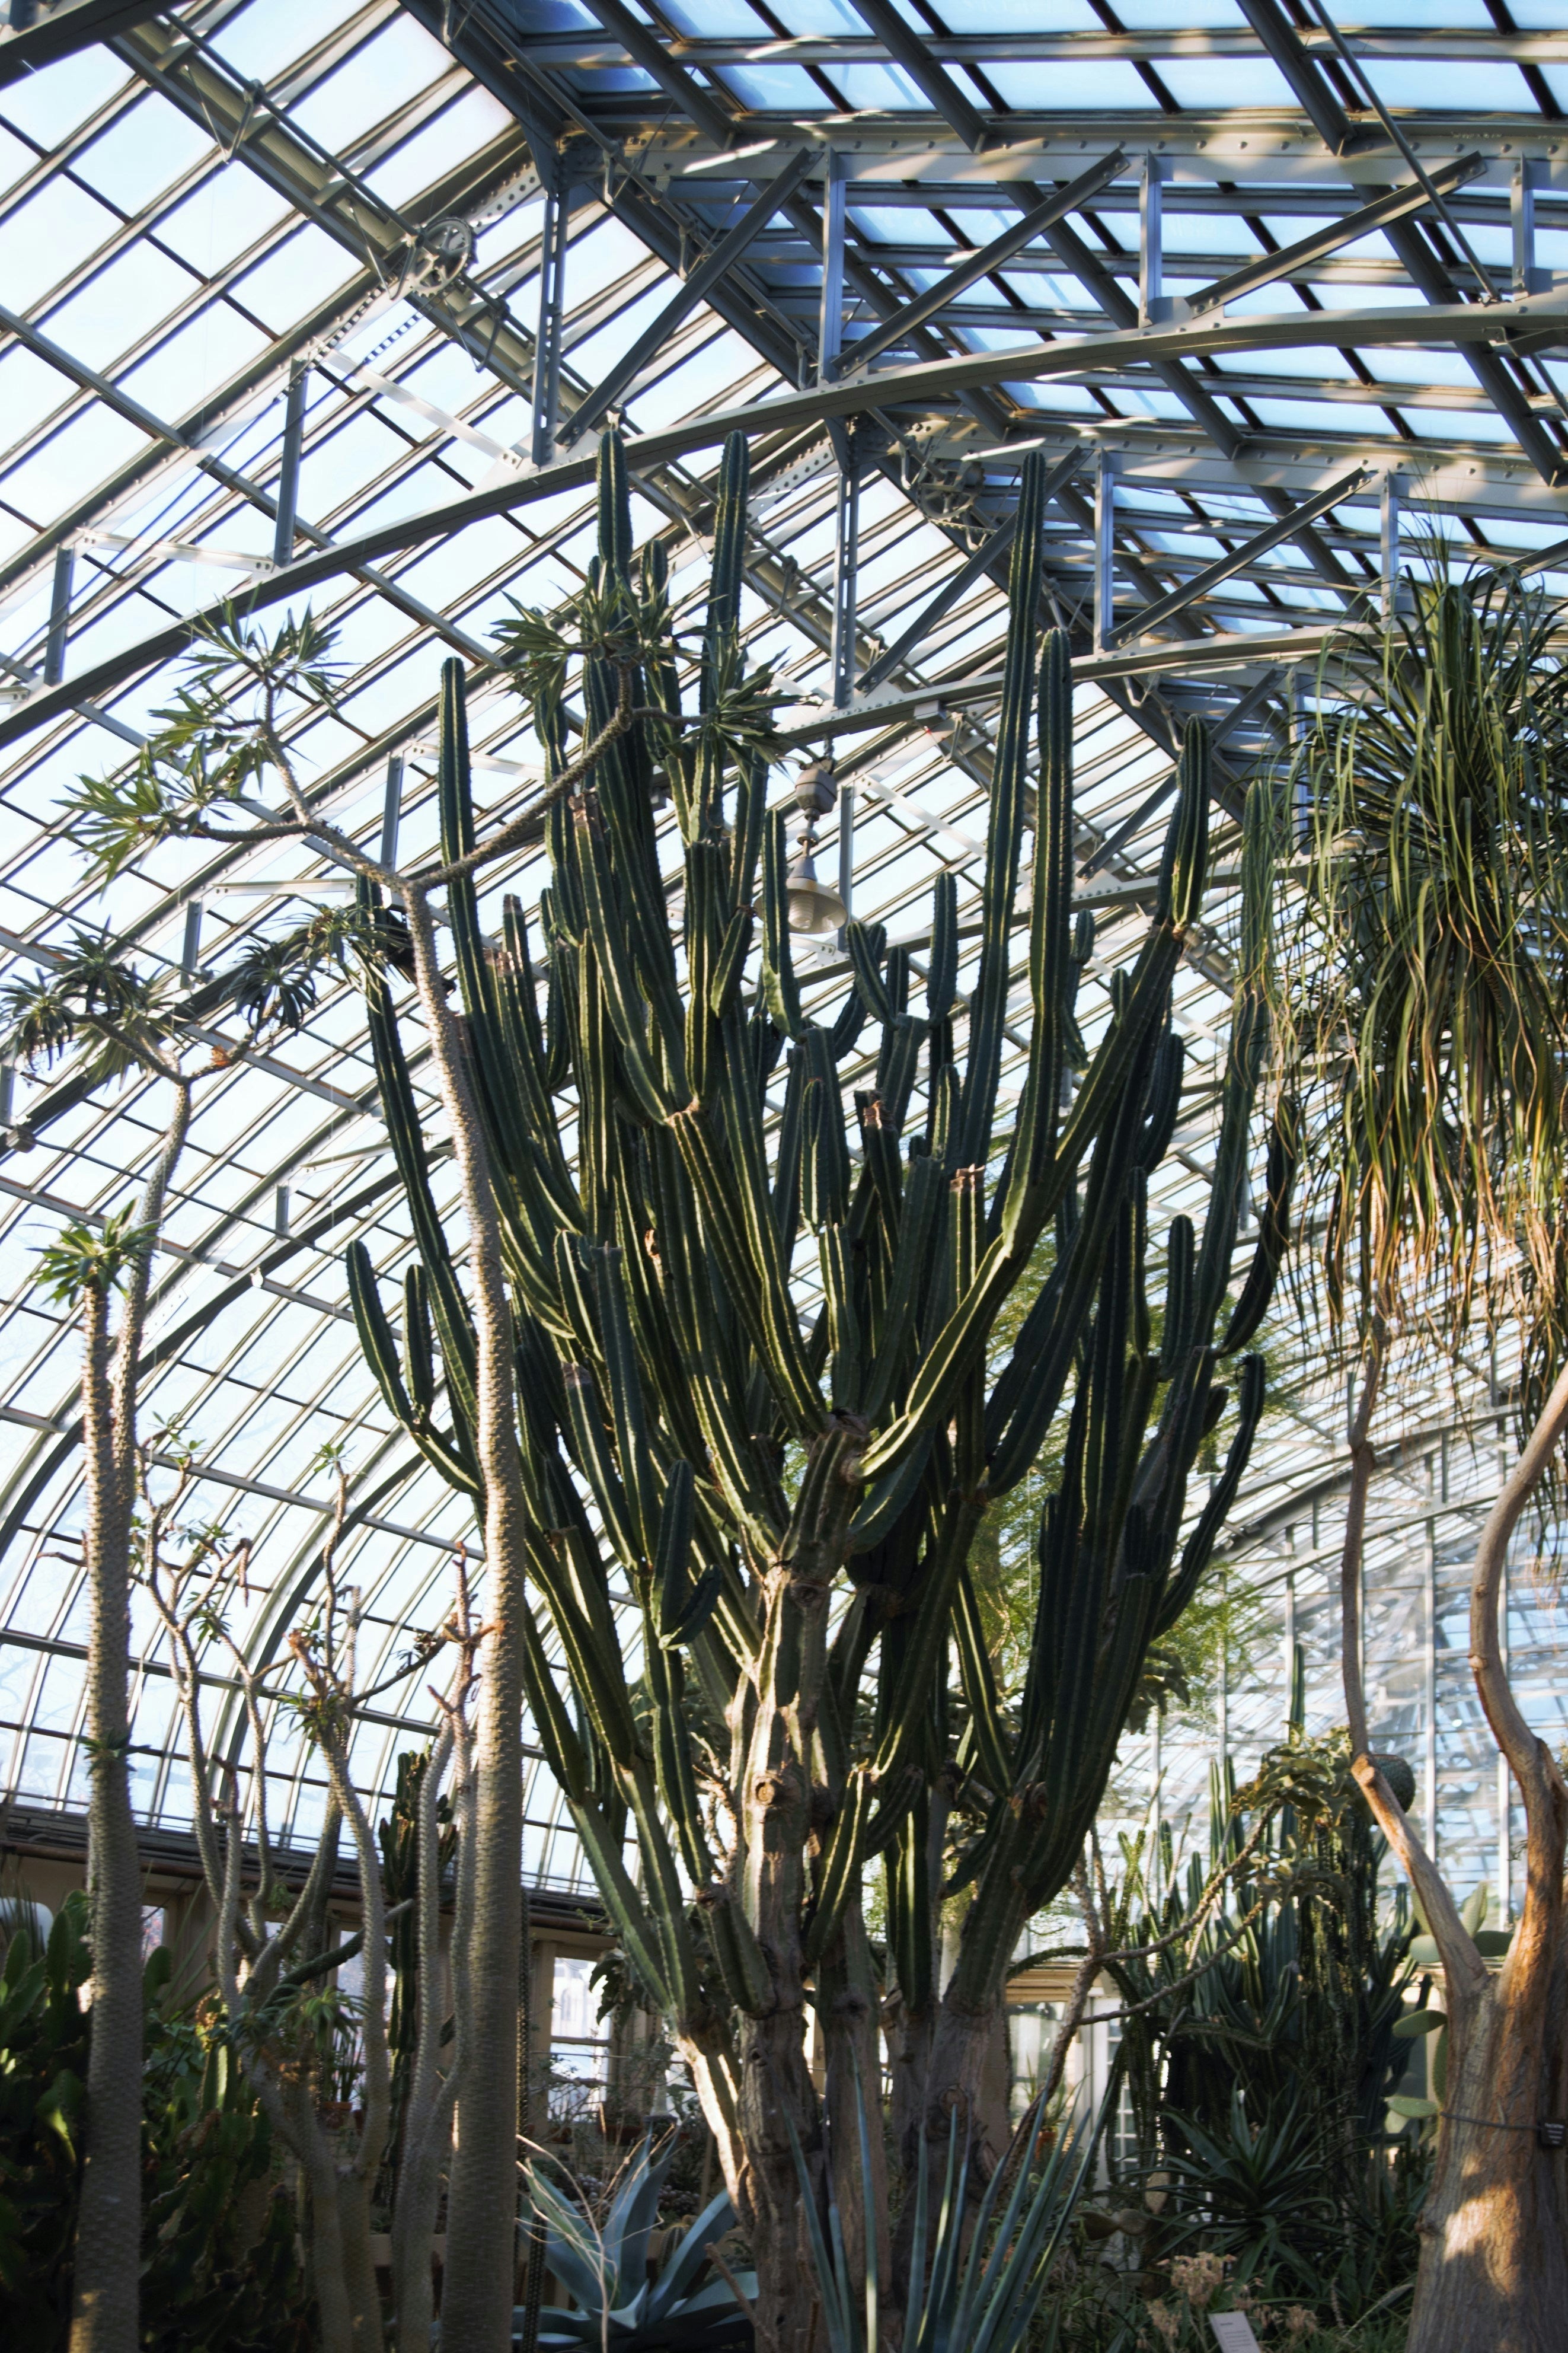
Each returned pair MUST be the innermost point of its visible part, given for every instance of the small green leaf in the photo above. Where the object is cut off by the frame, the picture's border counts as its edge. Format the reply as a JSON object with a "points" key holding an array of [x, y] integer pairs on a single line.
{"points": [[1419, 2022], [1406, 2104], [1425, 1954], [1473, 1910]]}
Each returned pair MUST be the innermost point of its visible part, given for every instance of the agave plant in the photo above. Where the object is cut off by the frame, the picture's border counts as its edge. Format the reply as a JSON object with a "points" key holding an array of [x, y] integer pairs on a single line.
{"points": [[616, 2306], [979, 2272]]}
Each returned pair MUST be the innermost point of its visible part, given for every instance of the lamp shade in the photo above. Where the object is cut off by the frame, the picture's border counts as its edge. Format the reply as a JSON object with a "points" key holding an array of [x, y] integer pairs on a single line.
{"points": [[813, 905]]}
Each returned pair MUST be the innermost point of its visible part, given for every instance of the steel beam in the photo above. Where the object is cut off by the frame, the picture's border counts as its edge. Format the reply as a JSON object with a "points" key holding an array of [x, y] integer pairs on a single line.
{"points": [[644, 48], [713, 267], [1198, 656], [930, 381], [1279, 37], [989, 554], [1296, 261], [906, 48], [31, 42], [975, 266], [1226, 567]]}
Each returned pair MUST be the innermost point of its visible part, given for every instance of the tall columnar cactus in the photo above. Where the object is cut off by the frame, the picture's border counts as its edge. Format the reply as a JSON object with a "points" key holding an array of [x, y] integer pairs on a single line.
{"points": [[743, 1458]]}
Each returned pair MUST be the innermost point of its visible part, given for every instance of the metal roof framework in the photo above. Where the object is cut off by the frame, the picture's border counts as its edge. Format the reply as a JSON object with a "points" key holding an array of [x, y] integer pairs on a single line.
{"points": [[327, 304]]}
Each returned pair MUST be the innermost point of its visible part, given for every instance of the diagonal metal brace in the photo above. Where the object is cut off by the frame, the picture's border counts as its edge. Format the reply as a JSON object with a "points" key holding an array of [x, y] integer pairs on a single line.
{"points": [[1307, 251], [696, 288], [1012, 241], [989, 552], [1285, 526]]}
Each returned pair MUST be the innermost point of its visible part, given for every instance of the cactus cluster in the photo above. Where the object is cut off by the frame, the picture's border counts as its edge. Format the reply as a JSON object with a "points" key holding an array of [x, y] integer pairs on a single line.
{"points": [[793, 1493]]}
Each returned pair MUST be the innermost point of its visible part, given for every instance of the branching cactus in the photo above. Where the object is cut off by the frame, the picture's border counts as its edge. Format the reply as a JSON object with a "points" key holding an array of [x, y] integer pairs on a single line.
{"points": [[753, 1313], [1114, 1574]]}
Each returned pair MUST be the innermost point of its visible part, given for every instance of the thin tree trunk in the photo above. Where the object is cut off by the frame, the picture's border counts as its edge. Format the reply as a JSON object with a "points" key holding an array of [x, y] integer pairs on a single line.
{"points": [[477, 2295], [105, 2294], [1493, 2274], [108, 2231]]}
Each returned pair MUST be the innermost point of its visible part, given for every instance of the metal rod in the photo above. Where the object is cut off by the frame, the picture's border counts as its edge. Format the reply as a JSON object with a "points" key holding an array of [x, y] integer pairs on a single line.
{"points": [[1224, 567], [191, 946], [1151, 239], [975, 266], [830, 315], [289, 470], [547, 342], [1104, 549], [1527, 278], [847, 849], [1388, 542], [846, 564], [59, 615], [1353, 69], [1307, 251]]}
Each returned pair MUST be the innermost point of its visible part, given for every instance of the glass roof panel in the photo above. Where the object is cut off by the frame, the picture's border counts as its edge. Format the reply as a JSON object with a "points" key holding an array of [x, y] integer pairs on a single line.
{"points": [[179, 239]]}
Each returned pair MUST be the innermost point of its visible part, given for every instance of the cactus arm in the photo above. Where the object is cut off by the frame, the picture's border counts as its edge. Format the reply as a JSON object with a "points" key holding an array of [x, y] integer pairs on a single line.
{"points": [[375, 1334], [781, 991], [840, 1871], [624, 1000], [843, 1324], [988, 1004], [1273, 1234], [942, 972], [905, 1713], [591, 1453], [453, 1326], [729, 964], [1049, 928], [623, 1903], [980, 1685], [866, 944], [626, 1402], [1201, 1543]]}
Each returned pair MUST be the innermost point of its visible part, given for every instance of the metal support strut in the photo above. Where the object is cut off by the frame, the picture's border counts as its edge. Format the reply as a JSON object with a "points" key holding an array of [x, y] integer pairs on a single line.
{"points": [[59, 614], [547, 343], [1104, 548], [289, 470]]}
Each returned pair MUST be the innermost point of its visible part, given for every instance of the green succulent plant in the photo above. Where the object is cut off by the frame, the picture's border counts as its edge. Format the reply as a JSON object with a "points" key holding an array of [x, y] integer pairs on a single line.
{"points": [[605, 2269]]}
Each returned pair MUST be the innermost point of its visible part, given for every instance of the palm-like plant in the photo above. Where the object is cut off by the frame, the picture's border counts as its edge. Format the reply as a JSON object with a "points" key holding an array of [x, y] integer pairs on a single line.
{"points": [[1430, 1025], [1421, 996]]}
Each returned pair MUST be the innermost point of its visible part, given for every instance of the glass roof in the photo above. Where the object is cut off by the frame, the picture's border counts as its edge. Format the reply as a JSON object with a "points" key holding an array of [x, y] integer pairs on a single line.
{"points": [[219, 195]]}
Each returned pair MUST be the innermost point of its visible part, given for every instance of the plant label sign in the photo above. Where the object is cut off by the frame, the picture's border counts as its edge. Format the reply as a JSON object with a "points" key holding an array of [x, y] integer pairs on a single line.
{"points": [[1233, 2332]]}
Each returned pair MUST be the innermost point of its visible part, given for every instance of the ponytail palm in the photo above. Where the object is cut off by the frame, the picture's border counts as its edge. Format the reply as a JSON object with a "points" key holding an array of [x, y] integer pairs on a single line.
{"points": [[1423, 984], [1430, 1041]]}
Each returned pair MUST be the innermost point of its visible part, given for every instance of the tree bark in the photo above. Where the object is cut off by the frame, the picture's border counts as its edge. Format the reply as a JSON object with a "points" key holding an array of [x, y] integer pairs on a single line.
{"points": [[481, 2222], [105, 2292], [1493, 2274], [108, 2231]]}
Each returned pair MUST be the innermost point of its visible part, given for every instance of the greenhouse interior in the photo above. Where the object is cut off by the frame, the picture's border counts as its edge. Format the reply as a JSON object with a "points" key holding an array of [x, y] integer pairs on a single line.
{"points": [[784, 1134]]}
